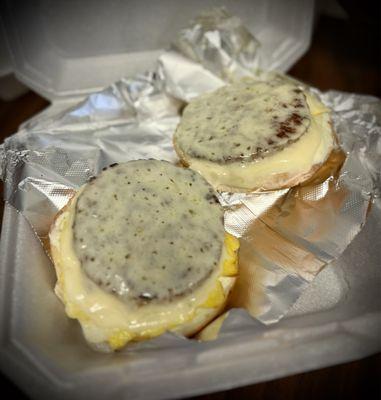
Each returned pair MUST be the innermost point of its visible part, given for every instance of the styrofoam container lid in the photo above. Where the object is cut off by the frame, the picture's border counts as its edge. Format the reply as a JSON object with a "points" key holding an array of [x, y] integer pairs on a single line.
{"points": [[69, 49]]}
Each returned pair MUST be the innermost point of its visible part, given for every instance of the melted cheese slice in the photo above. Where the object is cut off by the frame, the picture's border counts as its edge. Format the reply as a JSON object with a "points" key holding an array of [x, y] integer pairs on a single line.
{"points": [[105, 319], [312, 149]]}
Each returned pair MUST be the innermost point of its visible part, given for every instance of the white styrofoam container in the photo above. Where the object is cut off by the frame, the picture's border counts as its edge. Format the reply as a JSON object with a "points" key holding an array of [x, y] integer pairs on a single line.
{"points": [[64, 50], [10, 87], [337, 319]]}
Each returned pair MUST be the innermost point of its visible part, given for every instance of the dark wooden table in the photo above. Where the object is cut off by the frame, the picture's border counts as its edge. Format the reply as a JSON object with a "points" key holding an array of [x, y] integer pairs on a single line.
{"points": [[344, 55]]}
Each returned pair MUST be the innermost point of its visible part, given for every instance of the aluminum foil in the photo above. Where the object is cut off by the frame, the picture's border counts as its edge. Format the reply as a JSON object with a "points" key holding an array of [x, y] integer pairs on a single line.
{"points": [[287, 236]]}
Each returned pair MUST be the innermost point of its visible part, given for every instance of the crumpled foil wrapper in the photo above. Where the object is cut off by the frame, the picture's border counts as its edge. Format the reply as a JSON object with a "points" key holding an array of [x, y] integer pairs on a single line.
{"points": [[287, 236]]}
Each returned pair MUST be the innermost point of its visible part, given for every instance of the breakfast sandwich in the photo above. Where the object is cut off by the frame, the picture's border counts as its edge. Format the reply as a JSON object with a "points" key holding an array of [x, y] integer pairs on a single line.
{"points": [[255, 135], [141, 250]]}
